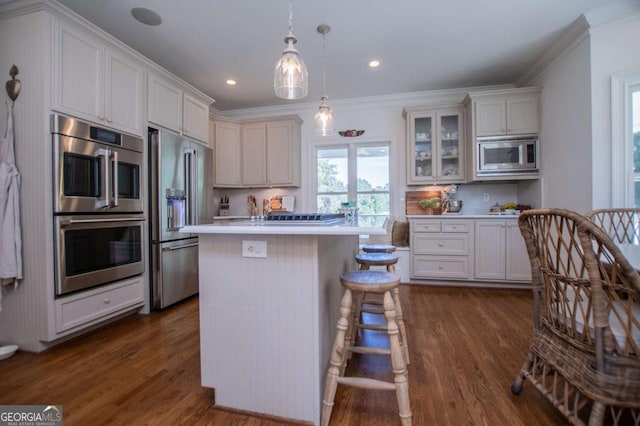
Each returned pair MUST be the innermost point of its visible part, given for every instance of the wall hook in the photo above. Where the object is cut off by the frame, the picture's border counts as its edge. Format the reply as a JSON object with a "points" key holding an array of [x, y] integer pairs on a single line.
{"points": [[14, 85]]}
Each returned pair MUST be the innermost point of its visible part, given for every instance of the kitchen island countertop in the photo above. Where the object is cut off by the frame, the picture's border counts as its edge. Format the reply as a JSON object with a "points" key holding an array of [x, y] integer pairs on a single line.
{"points": [[274, 228]]}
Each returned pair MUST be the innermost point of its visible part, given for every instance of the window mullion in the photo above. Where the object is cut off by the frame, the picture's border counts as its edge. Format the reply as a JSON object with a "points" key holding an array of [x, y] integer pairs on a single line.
{"points": [[353, 174]]}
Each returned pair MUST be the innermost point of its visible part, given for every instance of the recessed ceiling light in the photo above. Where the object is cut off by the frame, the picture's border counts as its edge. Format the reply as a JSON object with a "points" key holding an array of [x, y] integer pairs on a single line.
{"points": [[146, 16], [374, 63], [231, 82]]}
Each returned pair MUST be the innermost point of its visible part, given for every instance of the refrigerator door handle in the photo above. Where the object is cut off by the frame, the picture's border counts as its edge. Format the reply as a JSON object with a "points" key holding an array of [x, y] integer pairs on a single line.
{"points": [[179, 247], [191, 175], [193, 186]]}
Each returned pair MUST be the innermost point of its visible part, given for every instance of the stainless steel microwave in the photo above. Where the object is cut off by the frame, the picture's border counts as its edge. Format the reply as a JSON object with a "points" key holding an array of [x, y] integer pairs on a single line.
{"points": [[506, 155]]}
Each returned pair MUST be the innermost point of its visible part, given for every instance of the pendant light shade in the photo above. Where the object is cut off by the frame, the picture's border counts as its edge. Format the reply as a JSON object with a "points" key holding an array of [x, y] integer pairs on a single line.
{"points": [[290, 78], [324, 117]]}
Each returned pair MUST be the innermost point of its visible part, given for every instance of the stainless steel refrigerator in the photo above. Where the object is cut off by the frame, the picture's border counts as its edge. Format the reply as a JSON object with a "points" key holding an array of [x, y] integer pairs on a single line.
{"points": [[181, 187]]}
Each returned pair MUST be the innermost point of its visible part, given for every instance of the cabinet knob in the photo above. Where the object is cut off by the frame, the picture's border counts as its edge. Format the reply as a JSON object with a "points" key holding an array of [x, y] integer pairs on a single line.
{"points": [[107, 301], [440, 267], [440, 245]]}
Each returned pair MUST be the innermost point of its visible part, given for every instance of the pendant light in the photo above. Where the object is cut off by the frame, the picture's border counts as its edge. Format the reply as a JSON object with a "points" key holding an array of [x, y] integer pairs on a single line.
{"points": [[324, 117], [290, 79]]}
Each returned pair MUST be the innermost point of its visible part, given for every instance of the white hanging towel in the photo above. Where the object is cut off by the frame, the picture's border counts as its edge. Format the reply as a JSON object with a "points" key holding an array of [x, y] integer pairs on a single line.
{"points": [[10, 231]]}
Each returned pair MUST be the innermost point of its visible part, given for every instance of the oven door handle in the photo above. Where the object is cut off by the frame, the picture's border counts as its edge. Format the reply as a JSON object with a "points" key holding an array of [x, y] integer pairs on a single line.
{"points": [[114, 201], [104, 153], [68, 222]]}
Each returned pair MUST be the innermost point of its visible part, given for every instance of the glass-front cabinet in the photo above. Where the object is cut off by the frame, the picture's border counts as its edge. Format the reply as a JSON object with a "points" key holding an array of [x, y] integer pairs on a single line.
{"points": [[435, 146]]}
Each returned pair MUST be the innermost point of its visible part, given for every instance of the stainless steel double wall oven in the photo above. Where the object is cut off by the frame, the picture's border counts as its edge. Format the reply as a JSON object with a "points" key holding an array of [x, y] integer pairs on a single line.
{"points": [[97, 205]]}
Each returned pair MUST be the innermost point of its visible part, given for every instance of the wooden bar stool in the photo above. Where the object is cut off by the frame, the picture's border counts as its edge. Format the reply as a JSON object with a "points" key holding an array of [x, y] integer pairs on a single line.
{"points": [[373, 305], [378, 248], [368, 259], [357, 282]]}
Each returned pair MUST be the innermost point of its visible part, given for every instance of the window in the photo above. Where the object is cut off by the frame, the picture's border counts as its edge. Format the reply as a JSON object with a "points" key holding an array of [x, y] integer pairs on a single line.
{"points": [[625, 137], [356, 173]]}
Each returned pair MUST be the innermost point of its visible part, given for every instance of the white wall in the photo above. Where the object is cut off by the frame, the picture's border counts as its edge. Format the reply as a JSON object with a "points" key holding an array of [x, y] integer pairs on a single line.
{"points": [[614, 49], [24, 41], [566, 130]]}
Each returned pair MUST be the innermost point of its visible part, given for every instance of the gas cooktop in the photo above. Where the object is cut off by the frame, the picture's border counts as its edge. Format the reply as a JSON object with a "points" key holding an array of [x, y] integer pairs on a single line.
{"points": [[300, 218]]}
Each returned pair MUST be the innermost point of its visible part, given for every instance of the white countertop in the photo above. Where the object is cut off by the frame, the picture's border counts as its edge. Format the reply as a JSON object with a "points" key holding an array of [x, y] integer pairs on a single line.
{"points": [[292, 229], [463, 216]]}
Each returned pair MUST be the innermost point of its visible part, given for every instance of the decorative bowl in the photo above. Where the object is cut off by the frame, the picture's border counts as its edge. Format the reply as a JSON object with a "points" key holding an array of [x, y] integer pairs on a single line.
{"points": [[7, 351], [350, 133]]}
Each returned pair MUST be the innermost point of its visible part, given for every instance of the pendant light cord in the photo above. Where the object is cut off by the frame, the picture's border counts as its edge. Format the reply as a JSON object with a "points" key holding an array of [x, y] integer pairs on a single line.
{"points": [[290, 17], [324, 67]]}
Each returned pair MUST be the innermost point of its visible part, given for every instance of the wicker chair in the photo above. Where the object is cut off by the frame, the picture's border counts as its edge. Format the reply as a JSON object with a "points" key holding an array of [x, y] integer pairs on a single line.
{"points": [[622, 225], [586, 342]]}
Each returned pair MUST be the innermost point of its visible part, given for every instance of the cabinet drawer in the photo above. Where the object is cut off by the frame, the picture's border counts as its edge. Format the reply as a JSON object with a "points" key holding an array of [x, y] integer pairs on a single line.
{"points": [[456, 226], [85, 309], [440, 244], [440, 267], [425, 226]]}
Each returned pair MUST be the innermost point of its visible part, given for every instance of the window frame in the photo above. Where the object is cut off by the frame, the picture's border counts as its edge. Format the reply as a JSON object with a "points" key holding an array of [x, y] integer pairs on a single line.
{"points": [[622, 174], [352, 147]]}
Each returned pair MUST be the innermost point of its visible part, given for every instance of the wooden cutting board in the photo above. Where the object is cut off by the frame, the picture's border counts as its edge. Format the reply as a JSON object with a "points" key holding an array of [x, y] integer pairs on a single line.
{"points": [[413, 197]]}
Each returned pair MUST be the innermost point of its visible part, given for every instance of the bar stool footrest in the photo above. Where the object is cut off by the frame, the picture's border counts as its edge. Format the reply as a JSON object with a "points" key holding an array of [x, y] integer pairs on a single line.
{"points": [[365, 383], [370, 350], [372, 327], [372, 310]]}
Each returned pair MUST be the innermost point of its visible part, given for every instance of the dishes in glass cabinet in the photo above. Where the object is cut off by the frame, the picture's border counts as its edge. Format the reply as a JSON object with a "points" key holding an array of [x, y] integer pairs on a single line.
{"points": [[422, 137]]}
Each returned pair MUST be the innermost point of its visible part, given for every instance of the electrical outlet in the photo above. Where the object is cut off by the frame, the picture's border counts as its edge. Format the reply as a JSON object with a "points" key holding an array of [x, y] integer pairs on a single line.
{"points": [[254, 248], [486, 196]]}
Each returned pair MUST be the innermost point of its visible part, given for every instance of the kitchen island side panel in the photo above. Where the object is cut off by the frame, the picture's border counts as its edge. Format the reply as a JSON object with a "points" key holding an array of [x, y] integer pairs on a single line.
{"points": [[267, 324]]}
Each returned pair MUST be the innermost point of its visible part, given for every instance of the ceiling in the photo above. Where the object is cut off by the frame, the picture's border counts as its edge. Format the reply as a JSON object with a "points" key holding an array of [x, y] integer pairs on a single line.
{"points": [[422, 45]]}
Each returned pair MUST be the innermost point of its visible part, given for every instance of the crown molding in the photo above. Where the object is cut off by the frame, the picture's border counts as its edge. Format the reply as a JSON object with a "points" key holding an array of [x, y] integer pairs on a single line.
{"points": [[573, 35], [408, 99], [15, 8], [616, 14]]}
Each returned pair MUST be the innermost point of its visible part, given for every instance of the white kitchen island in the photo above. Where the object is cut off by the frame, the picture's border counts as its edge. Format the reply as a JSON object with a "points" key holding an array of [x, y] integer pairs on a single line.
{"points": [[267, 323]]}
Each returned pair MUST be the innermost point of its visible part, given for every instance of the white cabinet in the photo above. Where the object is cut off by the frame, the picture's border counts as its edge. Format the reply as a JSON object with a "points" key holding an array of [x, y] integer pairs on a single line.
{"points": [[441, 248], [226, 139], [517, 258], [86, 308], [435, 145], [95, 81], [283, 152], [174, 109], [254, 154], [510, 116], [195, 118], [500, 252], [267, 152], [505, 112]]}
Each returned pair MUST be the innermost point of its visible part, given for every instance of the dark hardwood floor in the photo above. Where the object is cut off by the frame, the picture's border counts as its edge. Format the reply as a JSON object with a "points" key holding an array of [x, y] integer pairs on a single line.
{"points": [[466, 347]]}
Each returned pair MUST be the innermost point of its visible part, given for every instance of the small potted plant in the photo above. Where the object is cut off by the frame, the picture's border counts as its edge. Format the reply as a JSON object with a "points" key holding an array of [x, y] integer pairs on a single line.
{"points": [[428, 204]]}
